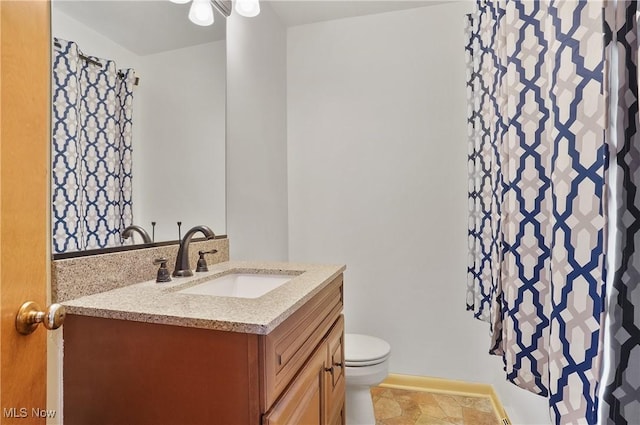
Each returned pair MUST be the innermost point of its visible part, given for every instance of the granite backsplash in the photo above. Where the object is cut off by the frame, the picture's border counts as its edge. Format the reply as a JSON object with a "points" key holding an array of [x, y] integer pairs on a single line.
{"points": [[77, 277]]}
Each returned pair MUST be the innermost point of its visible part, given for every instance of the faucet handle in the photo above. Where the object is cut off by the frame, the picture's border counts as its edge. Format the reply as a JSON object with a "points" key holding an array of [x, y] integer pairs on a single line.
{"points": [[202, 263], [163, 271]]}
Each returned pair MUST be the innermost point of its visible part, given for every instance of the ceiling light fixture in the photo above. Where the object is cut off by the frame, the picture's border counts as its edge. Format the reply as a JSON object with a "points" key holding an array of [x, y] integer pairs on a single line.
{"points": [[247, 8], [201, 11]]}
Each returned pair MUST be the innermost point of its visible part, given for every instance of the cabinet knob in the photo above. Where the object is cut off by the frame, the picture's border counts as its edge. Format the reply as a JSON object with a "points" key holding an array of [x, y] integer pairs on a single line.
{"points": [[330, 369]]}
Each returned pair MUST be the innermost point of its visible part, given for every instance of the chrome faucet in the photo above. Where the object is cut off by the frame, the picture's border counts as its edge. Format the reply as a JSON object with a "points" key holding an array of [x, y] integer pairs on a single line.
{"points": [[128, 231], [182, 260]]}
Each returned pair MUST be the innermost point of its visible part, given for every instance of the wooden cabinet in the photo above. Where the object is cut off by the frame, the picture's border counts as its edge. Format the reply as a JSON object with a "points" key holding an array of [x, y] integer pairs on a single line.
{"points": [[335, 379], [316, 395], [303, 402], [118, 371]]}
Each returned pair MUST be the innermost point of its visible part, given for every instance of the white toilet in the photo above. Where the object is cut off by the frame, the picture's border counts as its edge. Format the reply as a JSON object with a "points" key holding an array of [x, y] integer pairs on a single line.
{"points": [[366, 365]]}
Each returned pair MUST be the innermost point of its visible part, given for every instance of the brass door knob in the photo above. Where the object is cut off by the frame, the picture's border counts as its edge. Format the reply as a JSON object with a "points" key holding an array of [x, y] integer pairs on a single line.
{"points": [[30, 315]]}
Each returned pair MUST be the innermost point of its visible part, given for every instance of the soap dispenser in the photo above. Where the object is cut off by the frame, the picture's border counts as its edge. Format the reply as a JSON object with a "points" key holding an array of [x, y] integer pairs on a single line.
{"points": [[163, 271]]}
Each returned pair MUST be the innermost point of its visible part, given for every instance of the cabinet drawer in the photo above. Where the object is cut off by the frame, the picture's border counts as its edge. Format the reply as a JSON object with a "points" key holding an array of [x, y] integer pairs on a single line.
{"points": [[285, 350]]}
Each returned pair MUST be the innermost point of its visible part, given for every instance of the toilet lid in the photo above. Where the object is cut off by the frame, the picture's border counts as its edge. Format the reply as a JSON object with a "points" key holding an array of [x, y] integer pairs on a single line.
{"points": [[365, 350]]}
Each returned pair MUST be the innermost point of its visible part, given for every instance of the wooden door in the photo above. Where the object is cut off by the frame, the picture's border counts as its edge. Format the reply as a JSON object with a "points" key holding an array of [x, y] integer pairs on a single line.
{"points": [[24, 203], [303, 402]]}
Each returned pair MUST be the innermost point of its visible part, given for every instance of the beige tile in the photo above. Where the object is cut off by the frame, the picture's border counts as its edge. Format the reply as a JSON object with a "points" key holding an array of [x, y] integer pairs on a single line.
{"points": [[400, 420], [381, 392], [433, 410], [477, 417], [479, 403], [423, 397], [412, 413], [407, 407], [405, 398], [449, 405], [430, 420], [410, 406], [386, 408]]}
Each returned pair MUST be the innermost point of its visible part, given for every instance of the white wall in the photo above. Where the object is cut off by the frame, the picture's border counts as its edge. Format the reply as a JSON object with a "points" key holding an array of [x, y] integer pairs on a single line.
{"points": [[256, 137], [178, 129], [377, 160], [179, 161], [90, 41]]}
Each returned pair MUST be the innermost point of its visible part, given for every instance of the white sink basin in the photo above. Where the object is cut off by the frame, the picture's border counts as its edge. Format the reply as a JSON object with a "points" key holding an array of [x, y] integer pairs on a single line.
{"points": [[239, 285]]}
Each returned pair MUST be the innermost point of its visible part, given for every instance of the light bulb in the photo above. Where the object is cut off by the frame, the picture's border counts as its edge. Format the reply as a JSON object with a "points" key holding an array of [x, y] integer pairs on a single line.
{"points": [[201, 13], [180, 1], [247, 8]]}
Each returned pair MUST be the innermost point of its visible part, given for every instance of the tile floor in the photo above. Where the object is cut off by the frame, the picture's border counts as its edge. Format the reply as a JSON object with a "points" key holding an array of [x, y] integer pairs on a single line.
{"points": [[406, 407]]}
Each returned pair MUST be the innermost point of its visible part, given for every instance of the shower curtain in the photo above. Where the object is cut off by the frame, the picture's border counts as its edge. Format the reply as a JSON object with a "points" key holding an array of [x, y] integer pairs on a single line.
{"points": [[91, 150], [554, 166], [622, 382]]}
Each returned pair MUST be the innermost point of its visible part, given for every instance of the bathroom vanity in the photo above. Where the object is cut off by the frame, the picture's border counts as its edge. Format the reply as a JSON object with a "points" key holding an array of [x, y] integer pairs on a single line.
{"points": [[151, 354]]}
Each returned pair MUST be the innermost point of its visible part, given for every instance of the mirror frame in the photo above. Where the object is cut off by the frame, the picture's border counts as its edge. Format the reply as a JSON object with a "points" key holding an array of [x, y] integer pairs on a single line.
{"points": [[100, 251], [225, 8]]}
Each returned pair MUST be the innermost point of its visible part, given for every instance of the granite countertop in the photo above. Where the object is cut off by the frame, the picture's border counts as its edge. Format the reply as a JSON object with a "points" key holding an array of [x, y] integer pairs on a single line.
{"points": [[161, 303]]}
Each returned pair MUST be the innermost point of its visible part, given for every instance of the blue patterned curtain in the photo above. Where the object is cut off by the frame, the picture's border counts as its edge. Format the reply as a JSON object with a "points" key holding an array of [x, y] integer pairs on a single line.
{"points": [[621, 401], [91, 150], [538, 161], [486, 129]]}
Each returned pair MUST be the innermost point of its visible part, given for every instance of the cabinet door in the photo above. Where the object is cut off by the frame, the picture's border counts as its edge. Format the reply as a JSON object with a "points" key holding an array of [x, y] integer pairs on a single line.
{"points": [[291, 344], [334, 376], [303, 402]]}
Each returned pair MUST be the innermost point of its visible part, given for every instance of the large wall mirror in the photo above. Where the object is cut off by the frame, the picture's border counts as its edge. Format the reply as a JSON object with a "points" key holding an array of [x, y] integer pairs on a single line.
{"points": [[178, 107]]}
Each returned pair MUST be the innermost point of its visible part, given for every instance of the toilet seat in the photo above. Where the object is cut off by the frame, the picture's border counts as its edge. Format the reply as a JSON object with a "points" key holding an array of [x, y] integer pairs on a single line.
{"points": [[366, 360], [365, 350]]}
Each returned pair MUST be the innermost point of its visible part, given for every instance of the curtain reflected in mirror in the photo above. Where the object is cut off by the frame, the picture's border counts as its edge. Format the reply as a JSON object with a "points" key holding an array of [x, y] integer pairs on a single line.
{"points": [[91, 149]]}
